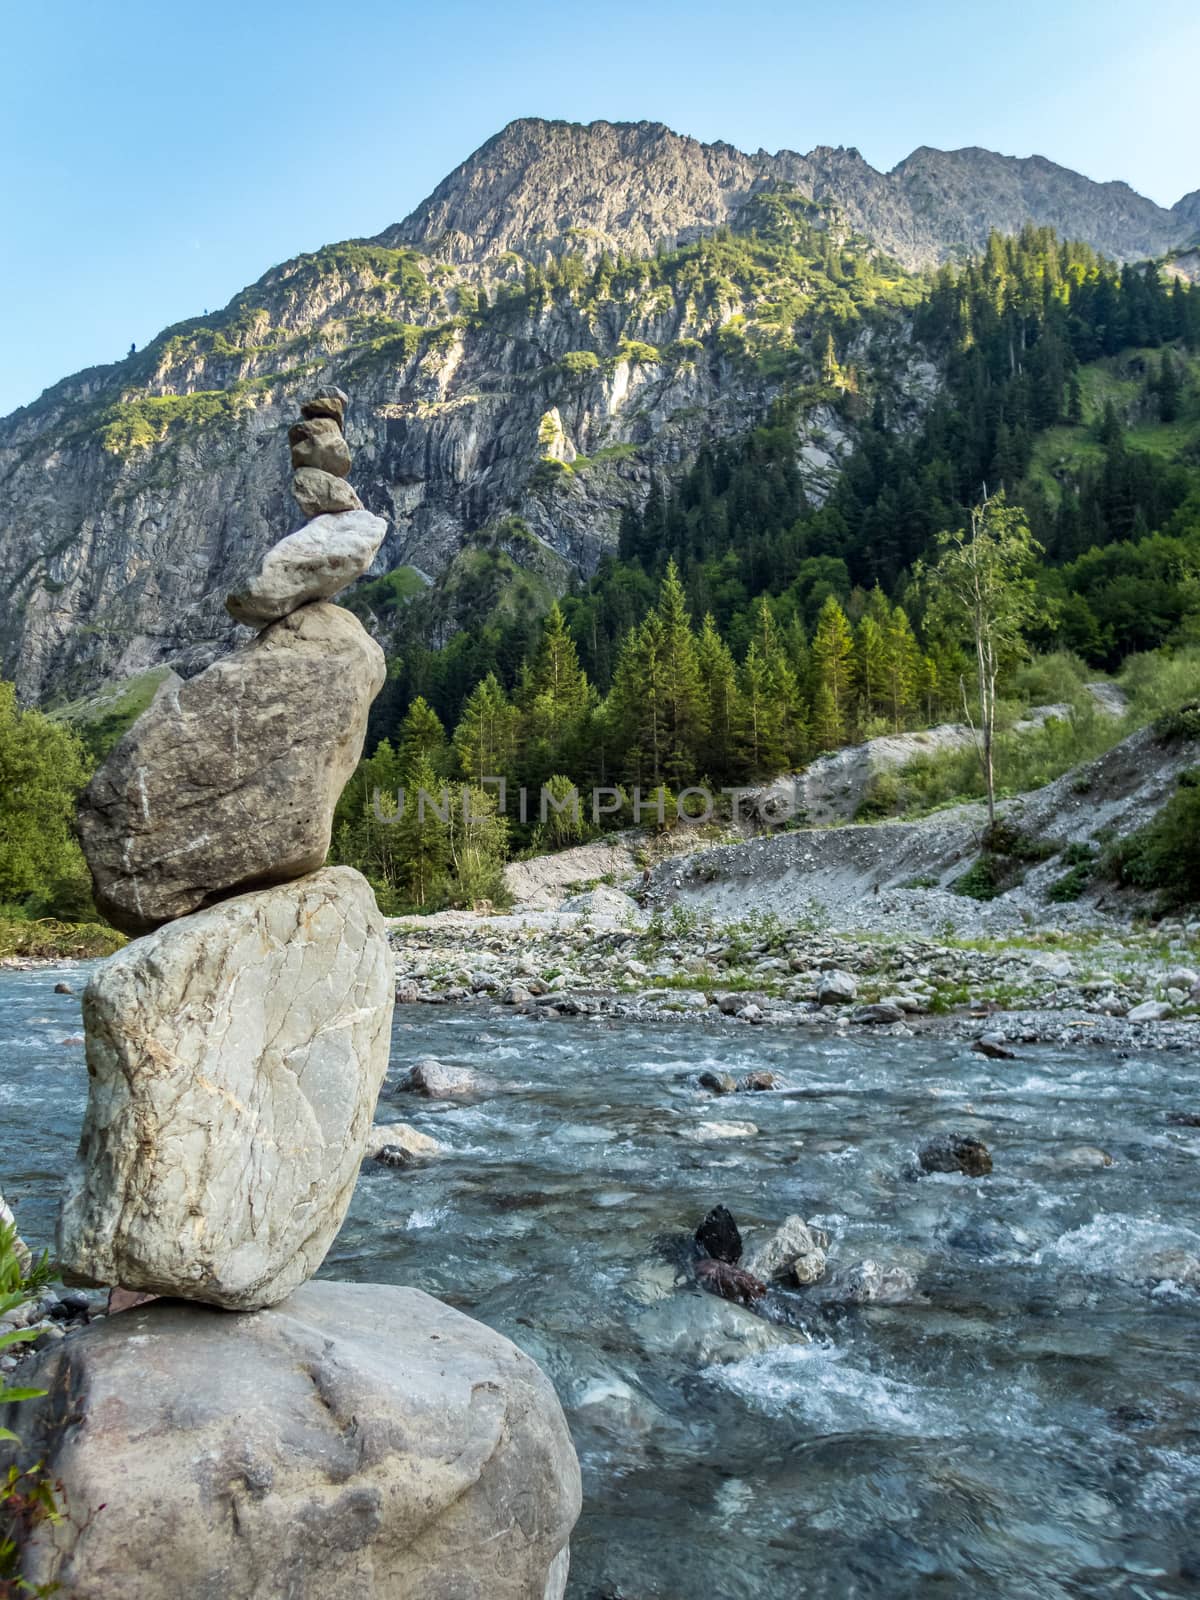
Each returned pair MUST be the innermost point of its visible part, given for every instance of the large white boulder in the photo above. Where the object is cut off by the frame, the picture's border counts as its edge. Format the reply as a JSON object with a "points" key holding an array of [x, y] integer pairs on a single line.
{"points": [[314, 563], [235, 1058], [359, 1442], [229, 780]]}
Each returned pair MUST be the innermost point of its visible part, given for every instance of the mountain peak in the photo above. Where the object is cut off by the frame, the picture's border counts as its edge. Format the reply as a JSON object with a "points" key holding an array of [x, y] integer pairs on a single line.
{"points": [[541, 187]]}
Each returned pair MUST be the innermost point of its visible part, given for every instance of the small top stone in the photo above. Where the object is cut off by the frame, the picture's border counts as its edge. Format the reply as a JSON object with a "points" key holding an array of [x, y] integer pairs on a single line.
{"points": [[326, 403]]}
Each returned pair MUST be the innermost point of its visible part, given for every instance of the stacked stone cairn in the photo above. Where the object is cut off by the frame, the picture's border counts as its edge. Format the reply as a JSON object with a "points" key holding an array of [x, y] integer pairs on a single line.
{"points": [[329, 1440]]}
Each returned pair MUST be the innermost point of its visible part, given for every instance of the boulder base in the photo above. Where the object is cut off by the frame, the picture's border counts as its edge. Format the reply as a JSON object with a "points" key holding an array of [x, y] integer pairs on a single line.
{"points": [[235, 1058], [359, 1442], [229, 780]]}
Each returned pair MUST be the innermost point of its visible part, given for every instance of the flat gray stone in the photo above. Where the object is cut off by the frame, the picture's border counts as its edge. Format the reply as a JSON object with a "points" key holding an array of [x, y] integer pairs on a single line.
{"points": [[359, 1442], [234, 1062], [229, 780], [314, 563]]}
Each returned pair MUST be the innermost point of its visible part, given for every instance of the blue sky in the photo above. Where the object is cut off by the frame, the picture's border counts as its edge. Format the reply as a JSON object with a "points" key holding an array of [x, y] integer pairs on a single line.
{"points": [[159, 156]]}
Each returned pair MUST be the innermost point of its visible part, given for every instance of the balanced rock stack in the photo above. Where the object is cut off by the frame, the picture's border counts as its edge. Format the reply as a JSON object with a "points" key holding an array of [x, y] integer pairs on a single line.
{"points": [[236, 1049], [356, 1439]]}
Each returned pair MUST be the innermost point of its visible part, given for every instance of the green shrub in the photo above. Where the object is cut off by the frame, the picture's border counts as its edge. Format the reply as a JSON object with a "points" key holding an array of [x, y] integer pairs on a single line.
{"points": [[1182, 723], [982, 881], [1164, 856]]}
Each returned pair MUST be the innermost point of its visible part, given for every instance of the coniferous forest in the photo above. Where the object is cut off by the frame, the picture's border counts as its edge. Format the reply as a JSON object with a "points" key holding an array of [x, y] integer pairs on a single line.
{"points": [[739, 630]]}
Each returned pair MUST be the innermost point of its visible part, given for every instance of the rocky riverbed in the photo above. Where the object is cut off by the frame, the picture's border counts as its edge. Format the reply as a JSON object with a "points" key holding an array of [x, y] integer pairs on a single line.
{"points": [[981, 1382], [609, 959]]}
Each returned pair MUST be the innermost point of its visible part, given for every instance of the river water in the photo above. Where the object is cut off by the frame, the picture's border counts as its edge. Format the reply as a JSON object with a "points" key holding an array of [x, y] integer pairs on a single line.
{"points": [[1024, 1424]]}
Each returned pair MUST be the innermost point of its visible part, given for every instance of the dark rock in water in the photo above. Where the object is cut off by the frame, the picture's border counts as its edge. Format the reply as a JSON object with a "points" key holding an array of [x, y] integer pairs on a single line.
{"points": [[730, 1282], [994, 1047], [63, 988], [956, 1152], [755, 1082], [718, 1236], [882, 1012], [717, 1082], [394, 1155], [1184, 1119]]}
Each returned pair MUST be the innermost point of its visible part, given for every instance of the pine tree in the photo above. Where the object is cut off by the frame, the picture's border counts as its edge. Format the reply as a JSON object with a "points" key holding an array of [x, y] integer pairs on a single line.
{"points": [[831, 654], [420, 843], [685, 712], [554, 699], [1168, 389], [485, 740], [718, 677], [902, 668], [421, 734]]}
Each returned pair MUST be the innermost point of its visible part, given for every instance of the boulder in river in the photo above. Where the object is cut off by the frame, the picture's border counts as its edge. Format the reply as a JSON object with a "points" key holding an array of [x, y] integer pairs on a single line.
{"points": [[993, 1046], [956, 1152], [234, 1059], [792, 1253], [883, 1011], [871, 1283], [314, 563], [759, 1082], [718, 1235], [359, 1442], [717, 1082], [434, 1078], [229, 780], [403, 1135]]}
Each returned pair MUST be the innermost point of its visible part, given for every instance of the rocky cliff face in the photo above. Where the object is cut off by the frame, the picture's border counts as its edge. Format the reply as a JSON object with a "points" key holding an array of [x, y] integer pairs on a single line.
{"points": [[495, 415]]}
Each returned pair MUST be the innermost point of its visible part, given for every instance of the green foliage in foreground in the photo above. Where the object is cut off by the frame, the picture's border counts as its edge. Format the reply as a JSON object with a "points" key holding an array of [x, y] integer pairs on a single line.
{"points": [[28, 1498]]}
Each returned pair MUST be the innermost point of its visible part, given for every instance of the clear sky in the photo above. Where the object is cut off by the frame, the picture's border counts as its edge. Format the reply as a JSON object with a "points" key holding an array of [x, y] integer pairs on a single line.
{"points": [[158, 155]]}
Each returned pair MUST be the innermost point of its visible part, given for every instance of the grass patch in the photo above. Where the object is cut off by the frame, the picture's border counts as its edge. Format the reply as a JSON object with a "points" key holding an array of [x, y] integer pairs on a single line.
{"points": [[52, 940]]}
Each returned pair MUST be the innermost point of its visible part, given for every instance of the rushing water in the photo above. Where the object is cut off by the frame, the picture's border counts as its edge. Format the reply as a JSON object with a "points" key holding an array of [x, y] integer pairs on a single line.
{"points": [[1026, 1425]]}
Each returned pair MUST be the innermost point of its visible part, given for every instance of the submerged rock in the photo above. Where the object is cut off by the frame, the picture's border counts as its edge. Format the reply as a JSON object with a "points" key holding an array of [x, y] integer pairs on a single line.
{"points": [[400, 1135], [993, 1046], [730, 1282], [956, 1152], [758, 1082], [718, 1235], [792, 1252], [359, 1442], [706, 1132], [314, 563], [234, 1060], [229, 780], [870, 1283], [717, 1082]]}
